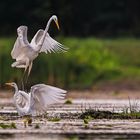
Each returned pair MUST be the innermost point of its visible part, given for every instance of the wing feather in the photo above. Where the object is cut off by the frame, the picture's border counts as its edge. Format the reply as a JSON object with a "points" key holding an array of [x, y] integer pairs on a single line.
{"points": [[21, 46], [44, 95], [51, 45], [16, 49]]}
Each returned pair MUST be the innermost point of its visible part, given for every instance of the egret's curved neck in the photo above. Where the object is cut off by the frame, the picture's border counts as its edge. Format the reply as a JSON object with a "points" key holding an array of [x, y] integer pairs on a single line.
{"points": [[48, 24], [15, 102], [16, 88], [44, 35], [26, 108], [17, 106]]}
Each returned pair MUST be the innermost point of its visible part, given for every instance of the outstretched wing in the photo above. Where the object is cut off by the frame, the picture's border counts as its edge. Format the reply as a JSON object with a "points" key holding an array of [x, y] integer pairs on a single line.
{"points": [[49, 45], [20, 47], [43, 95]]}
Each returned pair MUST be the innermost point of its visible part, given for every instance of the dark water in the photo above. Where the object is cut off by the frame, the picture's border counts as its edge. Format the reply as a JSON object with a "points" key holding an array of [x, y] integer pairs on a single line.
{"points": [[68, 137]]}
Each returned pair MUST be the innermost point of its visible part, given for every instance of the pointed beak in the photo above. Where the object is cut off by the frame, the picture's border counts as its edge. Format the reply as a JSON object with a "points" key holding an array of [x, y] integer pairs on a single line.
{"points": [[57, 24], [9, 84]]}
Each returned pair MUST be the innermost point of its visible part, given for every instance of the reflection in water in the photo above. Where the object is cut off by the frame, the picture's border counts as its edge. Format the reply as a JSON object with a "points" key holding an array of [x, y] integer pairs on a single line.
{"points": [[67, 137]]}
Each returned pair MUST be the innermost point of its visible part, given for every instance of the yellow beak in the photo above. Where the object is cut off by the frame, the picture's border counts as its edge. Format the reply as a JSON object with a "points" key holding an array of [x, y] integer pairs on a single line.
{"points": [[56, 22], [9, 84]]}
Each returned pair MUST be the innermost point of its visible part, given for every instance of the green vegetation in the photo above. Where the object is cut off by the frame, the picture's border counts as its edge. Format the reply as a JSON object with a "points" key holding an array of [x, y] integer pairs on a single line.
{"points": [[55, 119], [27, 120], [13, 125], [37, 126], [73, 137], [87, 62], [2, 118], [98, 114], [86, 122], [8, 126], [68, 101]]}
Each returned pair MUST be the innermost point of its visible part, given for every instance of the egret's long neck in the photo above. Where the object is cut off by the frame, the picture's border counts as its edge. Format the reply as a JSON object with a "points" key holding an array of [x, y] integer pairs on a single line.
{"points": [[16, 88], [45, 32], [48, 24], [15, 102], [17, 106]]}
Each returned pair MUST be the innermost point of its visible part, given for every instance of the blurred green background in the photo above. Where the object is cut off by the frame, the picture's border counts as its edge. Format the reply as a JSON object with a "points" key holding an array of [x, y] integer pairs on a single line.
{"points": [[102, 37]]}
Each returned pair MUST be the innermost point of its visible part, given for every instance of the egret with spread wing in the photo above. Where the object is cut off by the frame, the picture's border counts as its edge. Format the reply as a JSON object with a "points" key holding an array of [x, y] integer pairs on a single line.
{"points": [[25, 52], [38, 99]]}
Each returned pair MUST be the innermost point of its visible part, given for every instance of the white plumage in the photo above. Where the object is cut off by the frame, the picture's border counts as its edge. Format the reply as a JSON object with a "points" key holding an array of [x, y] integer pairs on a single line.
{"points": [[37, 100], [25, 52]]}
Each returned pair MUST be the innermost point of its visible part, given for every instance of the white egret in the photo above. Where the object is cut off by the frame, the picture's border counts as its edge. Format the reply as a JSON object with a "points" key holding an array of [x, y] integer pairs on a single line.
{"points": [[25, 52], [37, 100]]}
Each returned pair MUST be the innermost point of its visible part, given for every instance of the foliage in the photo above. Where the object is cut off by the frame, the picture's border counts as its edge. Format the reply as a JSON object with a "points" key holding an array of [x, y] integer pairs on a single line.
{"points": [[68, 101], [87, 62], [8, 126], [97, 114], [55, 119], [37, 126]]}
